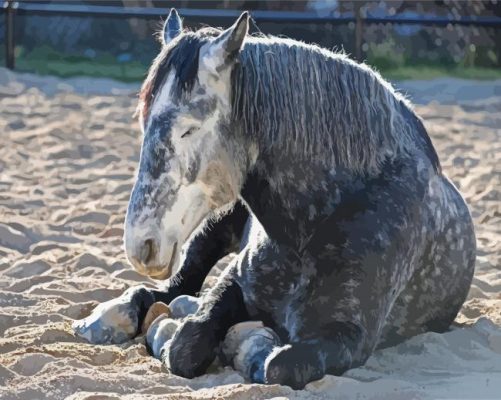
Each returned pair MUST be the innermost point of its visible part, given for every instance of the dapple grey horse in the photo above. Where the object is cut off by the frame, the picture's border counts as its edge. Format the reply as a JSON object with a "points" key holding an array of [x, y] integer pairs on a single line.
{"points": [[324, 180]]}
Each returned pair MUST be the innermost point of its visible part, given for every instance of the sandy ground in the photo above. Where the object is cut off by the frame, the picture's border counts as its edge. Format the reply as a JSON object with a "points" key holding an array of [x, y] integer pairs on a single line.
{"points": [[67, 159]]}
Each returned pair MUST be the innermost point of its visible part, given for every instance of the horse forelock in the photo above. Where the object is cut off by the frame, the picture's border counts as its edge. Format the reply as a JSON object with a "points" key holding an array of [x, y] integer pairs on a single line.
{"points": [[181, 55]]}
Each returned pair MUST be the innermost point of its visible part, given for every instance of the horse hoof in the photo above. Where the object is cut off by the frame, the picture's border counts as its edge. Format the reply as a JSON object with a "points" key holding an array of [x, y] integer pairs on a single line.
{"points": [[183, 306], [154, 311], [159, 333], [246, 347], [111, 322], [234, 337]]}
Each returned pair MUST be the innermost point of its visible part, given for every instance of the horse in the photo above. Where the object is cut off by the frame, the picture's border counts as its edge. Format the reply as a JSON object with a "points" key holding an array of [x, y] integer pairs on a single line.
{"points": [[318, 174]]}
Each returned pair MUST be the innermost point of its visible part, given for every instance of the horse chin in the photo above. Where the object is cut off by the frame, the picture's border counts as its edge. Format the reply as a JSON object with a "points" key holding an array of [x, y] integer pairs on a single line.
{"points": [[158, 273], [162, 271]]}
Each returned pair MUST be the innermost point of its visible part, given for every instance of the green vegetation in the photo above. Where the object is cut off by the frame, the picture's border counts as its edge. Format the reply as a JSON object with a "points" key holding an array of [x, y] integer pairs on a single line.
{"points": [[131, 72], [396, 65], [45, 61], [430, 72]]}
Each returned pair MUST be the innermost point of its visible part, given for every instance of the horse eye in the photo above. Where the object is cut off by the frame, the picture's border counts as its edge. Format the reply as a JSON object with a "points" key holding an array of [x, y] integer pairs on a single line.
{"points": [[188, 132]]}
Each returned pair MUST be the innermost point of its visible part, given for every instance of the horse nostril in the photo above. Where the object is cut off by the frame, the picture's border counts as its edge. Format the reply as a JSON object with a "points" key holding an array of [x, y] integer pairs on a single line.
{"points": [[147, 251]]}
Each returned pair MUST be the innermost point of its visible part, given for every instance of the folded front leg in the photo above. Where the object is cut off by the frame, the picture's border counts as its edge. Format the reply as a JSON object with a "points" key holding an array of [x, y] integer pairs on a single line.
{"points": [[120, 319], [194, 345]]}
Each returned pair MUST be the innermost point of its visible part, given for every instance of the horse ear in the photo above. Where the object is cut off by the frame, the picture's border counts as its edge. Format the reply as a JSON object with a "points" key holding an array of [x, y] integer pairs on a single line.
{"points": [[228, 44], [173, 26], [232, 39]]}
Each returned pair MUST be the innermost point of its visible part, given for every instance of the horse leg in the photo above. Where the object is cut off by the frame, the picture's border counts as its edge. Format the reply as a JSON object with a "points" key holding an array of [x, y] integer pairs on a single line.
{"points": [[261, 359], [295, 364], [195, 343], [328, 309], [436, 291], [119, 320], [298, 363]]}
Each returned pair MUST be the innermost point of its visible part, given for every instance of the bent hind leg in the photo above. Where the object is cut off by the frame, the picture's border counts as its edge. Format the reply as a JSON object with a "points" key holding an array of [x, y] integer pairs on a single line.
{"points": [[435, 293], [258, 355]]}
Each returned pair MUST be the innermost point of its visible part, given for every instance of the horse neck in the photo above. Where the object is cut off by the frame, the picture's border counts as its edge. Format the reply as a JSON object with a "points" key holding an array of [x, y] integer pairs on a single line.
{"points": [[290, 195]]}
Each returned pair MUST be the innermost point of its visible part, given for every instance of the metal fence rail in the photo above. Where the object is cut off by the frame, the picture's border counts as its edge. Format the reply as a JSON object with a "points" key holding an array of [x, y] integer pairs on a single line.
{"points": [[12, 8]]}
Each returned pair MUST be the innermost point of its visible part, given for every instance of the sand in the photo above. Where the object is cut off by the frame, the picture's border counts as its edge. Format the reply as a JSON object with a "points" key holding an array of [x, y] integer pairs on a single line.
{"points": [[68, 154]]}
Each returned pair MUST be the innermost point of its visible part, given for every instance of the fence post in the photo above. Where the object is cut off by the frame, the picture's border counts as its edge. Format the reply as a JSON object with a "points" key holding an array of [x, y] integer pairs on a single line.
{"points": [[9, 35], [359, 30]]}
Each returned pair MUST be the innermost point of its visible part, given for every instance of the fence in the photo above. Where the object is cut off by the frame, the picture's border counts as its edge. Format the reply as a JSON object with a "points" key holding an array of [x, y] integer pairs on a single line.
{"points": [[12, 8]]}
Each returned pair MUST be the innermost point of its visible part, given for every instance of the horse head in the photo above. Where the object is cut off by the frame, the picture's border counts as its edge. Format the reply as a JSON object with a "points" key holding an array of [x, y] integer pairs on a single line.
{"points": [[190, 168]]}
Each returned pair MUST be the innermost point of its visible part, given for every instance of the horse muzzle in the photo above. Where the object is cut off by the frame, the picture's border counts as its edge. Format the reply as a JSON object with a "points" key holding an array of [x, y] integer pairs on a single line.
{"points": [[152, 258]]}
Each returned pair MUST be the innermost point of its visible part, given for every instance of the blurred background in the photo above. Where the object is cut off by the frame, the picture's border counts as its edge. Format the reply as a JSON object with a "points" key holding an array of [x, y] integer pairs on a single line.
{"points": [[403, 39]]}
